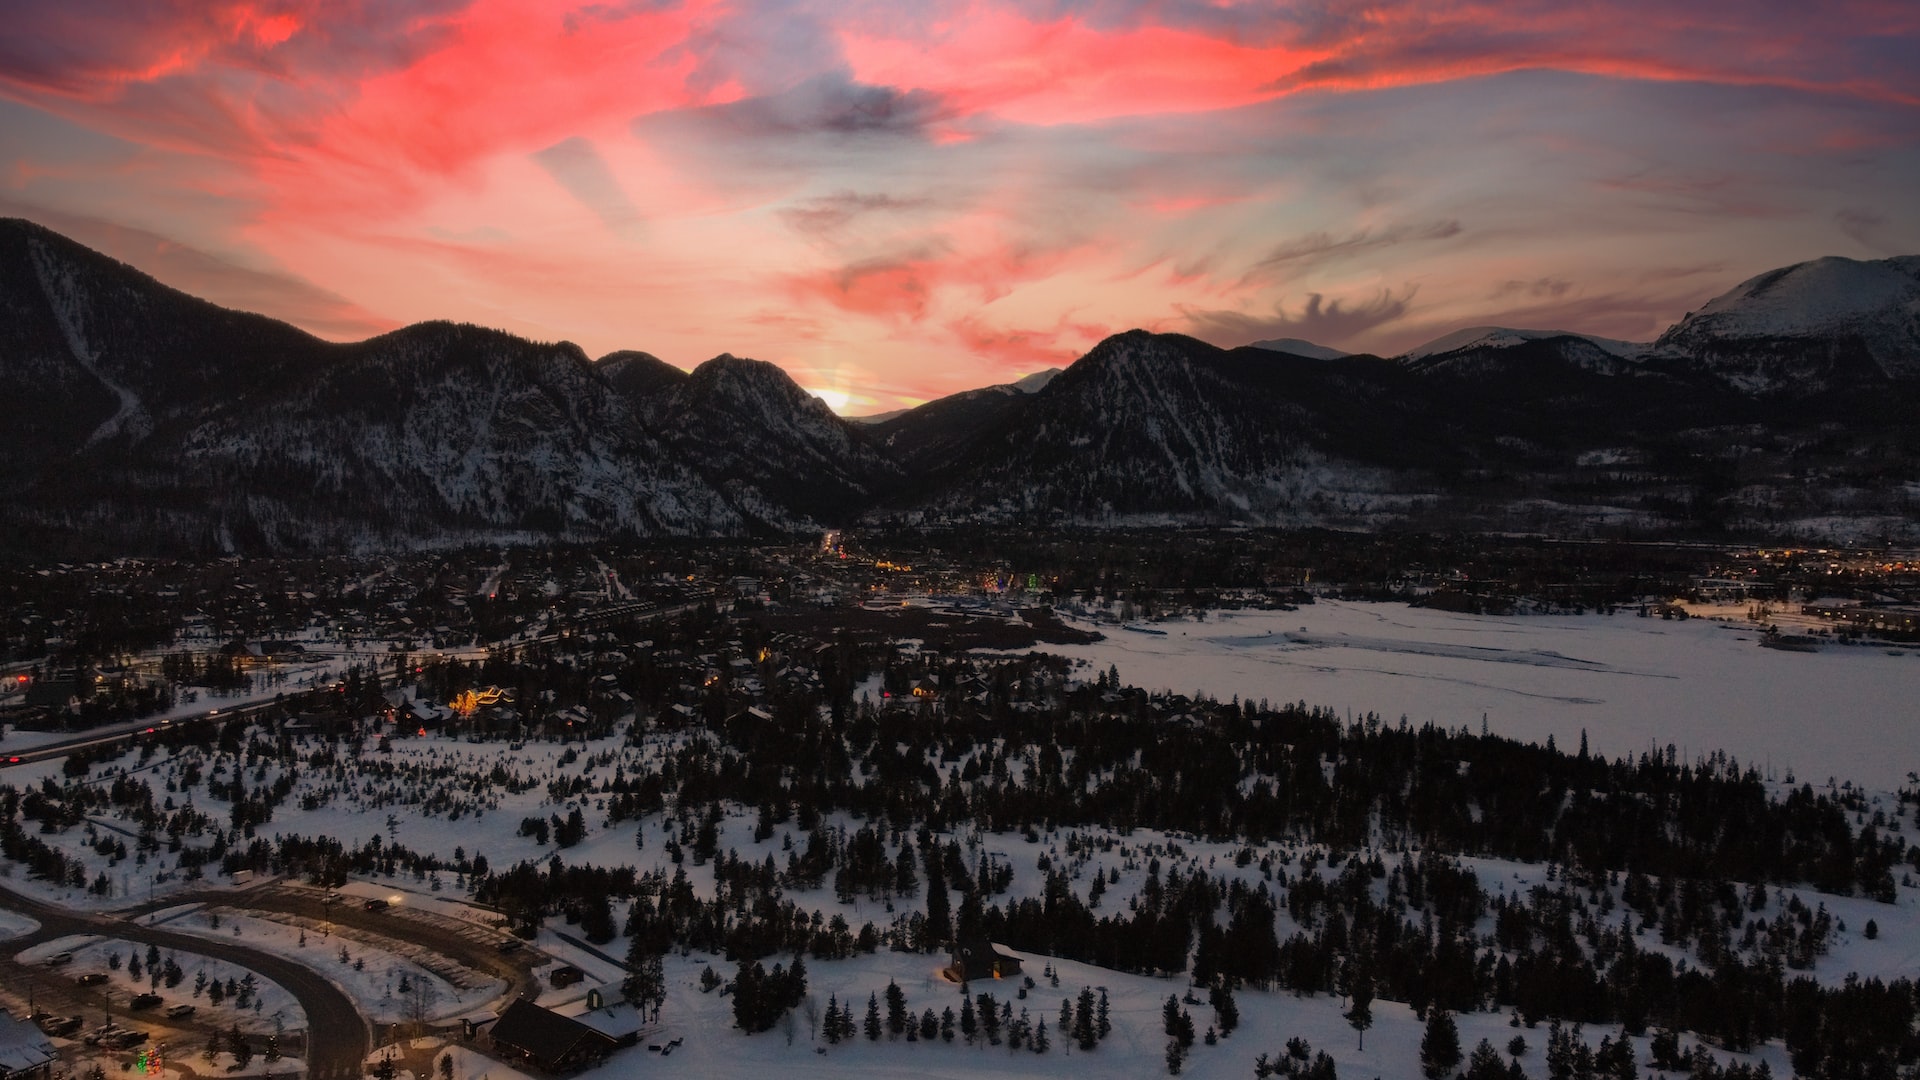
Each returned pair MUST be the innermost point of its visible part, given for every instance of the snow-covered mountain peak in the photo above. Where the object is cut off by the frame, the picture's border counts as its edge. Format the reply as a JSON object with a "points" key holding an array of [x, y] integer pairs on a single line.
{"points": [[1505, 337], [1820, 324], [1808, 297]]}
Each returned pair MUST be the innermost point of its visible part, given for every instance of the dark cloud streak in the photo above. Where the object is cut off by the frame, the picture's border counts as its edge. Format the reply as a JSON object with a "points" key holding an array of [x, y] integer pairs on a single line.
{"points": [[1321, 321]]}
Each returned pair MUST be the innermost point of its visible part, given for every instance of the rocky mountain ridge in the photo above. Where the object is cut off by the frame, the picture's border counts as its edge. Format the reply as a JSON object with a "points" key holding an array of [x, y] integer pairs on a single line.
{"points": [[150, 421]]}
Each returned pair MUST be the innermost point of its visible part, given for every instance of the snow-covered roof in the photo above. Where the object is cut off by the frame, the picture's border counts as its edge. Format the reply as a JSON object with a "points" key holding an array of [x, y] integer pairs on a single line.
{"points": [[22, 1046], [615, 1021]]}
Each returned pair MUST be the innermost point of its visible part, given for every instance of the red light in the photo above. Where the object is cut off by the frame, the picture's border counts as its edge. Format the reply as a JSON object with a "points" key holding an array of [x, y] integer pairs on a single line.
{"points": [[151, 730], [13, 761], [23, 678], [423, 732]]}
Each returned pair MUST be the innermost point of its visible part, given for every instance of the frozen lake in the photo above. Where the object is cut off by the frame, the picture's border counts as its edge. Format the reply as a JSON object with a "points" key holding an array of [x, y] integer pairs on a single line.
{"points": [[1850, 713]]}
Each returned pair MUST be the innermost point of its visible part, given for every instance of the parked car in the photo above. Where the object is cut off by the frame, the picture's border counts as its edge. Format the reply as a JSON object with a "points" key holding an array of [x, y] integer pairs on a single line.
{"points": [[60, 959], [509, 945], [103, 1034], [146, 1001], [180, 1012], [126, 1040], [92, 978], [60, 1025], [377, 905]]}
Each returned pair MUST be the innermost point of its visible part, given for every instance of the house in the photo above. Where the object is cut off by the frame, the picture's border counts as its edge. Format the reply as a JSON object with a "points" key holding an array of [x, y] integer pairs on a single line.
{"points": [[542, 1038], [24, 1050], [979, 958]]}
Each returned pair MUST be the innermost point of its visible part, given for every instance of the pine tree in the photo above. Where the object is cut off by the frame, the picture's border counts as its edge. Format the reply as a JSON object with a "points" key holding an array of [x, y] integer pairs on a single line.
{"points": [[1360, 994], [1485, 1064], [946, 1025], [1226, 1010], [896, 1010], [1082, 1028], [969, 1024], [1040, 1043], [831, 1028], [1103, 1021], [1440, 1048], [873, 1018]]}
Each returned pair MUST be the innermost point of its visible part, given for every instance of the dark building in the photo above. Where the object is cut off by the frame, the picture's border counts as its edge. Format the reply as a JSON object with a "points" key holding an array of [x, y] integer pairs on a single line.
{"points": [[527, 1033], [982, 959]]}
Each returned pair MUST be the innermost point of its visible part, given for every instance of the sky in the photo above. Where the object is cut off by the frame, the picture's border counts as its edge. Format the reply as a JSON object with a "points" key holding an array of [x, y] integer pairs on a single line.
{"points": [[898, 201]]}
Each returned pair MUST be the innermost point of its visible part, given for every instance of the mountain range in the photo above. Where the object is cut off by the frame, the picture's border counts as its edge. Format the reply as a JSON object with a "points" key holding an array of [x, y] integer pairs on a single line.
{"points": [[144, 420]]}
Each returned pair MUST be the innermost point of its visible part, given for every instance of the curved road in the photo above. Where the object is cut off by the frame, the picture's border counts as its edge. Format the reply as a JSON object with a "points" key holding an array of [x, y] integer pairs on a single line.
{"points": [[338, 1038], [471, 945]]}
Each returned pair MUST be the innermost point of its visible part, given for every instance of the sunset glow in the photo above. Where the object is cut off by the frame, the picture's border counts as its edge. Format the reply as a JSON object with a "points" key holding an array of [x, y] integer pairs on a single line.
{"points": [[949, 195]]}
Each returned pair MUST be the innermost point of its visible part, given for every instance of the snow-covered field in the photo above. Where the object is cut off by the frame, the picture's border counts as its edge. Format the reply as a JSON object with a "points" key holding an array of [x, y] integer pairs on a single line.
{"points": [[386, 978], [268, 1004], [1630, 684], [1849, 713]]}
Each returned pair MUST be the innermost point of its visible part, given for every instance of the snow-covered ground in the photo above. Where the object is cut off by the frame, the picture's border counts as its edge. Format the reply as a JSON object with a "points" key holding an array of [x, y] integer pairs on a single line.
{"points": [[372, 973], [14, 924], [267, 1005], [1136, 1047], [1630, 683]]}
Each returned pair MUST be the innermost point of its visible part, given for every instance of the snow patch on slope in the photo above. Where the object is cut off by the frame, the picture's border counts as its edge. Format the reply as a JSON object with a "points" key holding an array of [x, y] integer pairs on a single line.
{"points": [[1502, 337], [62, 297]]}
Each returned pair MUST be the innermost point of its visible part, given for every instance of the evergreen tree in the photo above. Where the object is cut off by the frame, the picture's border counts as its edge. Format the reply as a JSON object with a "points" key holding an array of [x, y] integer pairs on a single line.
{"points": [[1440, 1047], [1226, 1010], [596, 919], [1082, 1030], [969, 1024], [873, 1018], [946, 1025], [1103, 1021], [896, 1010], [939, 931], [1485, 1064], [831, 1027], [1360, 994]]}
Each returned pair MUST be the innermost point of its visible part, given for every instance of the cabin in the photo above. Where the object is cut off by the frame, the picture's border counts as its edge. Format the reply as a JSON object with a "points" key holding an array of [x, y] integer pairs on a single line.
{"points": [[527, 1034], [982, 959]]}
